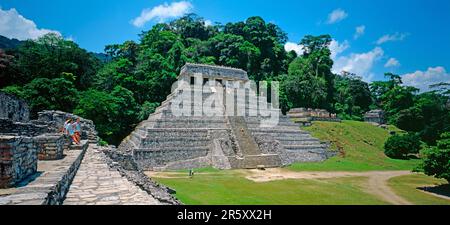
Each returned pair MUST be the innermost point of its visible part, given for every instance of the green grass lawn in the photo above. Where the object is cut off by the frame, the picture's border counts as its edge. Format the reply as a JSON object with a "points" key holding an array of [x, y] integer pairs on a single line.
{"points": [[232, 188], [362, 144], [407, 187]]}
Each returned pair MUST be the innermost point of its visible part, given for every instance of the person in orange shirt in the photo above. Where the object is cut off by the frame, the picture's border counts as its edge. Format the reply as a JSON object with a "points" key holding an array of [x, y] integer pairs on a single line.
{"points": [[77, 133]]}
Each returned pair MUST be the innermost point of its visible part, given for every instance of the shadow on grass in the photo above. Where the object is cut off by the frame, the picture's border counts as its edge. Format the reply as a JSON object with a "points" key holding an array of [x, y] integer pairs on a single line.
{"points": [[443, 190]]}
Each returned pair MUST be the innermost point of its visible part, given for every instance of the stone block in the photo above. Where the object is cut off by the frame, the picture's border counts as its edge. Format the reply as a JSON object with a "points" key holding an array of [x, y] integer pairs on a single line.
{"points": [[50, 146], [18, 159]]}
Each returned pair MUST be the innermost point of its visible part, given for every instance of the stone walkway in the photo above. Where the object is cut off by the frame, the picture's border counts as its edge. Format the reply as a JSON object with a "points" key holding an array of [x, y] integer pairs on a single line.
{"points": [[97, 184], [48, 185]]}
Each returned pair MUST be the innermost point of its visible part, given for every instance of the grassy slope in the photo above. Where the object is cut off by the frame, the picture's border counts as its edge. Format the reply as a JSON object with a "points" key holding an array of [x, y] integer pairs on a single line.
{"points": [[362, 144], [232, 188], [407, 187]]}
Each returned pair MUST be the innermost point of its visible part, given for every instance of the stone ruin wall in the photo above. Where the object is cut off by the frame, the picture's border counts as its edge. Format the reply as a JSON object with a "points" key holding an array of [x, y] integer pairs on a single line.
{"points": [[304, 112], [54, 121], [51, 146], [18, 159], [21, 128], [13, 108], [24, 142], [308, 115], [375, 116]]}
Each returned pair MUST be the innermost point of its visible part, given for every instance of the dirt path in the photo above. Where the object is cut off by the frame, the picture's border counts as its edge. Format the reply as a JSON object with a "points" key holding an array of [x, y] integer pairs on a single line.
{"points": [[377, 184]]}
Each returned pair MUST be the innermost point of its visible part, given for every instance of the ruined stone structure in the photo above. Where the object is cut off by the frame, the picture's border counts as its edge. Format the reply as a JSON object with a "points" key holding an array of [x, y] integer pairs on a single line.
{"points": [[375, 116], [53, 120], [167, 140], [18, 159], [39, 166], [51, 146], [24, 141], [306, 116], [13, 109]]}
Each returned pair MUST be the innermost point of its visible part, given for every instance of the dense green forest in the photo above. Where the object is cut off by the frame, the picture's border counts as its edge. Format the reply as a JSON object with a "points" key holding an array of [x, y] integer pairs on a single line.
{"points": [[121, 88]]}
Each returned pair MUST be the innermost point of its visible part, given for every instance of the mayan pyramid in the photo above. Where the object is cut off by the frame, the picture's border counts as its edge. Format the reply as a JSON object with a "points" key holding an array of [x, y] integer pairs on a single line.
{"points": [[170, 140]]}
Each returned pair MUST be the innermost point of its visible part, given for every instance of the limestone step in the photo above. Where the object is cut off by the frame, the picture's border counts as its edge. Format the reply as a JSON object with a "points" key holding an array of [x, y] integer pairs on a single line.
{"points": [[306, 142], [282, 134], [278, 136], [277, 130], [148, 158], [190, 120], [193, 105], [312, 155], [282, 127], [174, 142], [191, 123], [173, 132], [187, 113], [174, 149], [178, 93], [177, 138], [255, 161], [256, 120], [305, 147]]}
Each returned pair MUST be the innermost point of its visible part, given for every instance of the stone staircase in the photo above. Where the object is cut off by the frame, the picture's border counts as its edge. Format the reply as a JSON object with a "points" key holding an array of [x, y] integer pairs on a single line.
{"points": [[252, 155]]}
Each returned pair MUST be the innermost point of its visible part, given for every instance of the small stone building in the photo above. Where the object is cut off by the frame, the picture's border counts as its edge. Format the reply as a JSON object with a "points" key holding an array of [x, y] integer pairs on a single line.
{"points": [[375, 116], [306, 116]]}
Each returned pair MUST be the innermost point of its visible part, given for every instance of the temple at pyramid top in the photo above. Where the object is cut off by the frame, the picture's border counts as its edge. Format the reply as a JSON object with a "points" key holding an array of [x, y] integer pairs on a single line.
{"points": [[213, 72]]}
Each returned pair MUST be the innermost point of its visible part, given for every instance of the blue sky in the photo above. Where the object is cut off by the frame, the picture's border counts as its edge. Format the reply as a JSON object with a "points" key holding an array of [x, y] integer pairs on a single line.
{"points": [[416, 34]]}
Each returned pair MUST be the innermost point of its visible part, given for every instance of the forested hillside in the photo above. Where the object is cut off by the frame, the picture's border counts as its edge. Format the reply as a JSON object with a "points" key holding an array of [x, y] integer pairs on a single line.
{"points": [[123, 87]]}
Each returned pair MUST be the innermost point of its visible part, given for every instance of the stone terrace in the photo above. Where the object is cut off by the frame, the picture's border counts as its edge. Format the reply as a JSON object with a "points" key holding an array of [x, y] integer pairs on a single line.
{"points": [[97, 184]]}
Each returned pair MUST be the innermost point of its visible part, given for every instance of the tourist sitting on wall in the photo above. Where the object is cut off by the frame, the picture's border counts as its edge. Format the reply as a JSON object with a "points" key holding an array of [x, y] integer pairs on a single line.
{"points": [[71, 132], [66, 124], [77, 128]]}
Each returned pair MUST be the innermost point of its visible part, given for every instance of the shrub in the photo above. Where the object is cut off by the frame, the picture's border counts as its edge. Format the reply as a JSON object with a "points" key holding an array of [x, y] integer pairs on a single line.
{"points": [[400, 146], [437, 159]]}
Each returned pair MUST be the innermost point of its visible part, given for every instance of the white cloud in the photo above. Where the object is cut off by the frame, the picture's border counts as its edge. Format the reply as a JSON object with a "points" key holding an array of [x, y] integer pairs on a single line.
{"points": [[337, 48], [336, 16], [392, 62], [359, 63], [423, 79], [208, 23], [163, 12], [391, 37], [359, 31], [14, 25], [290, 46]]}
